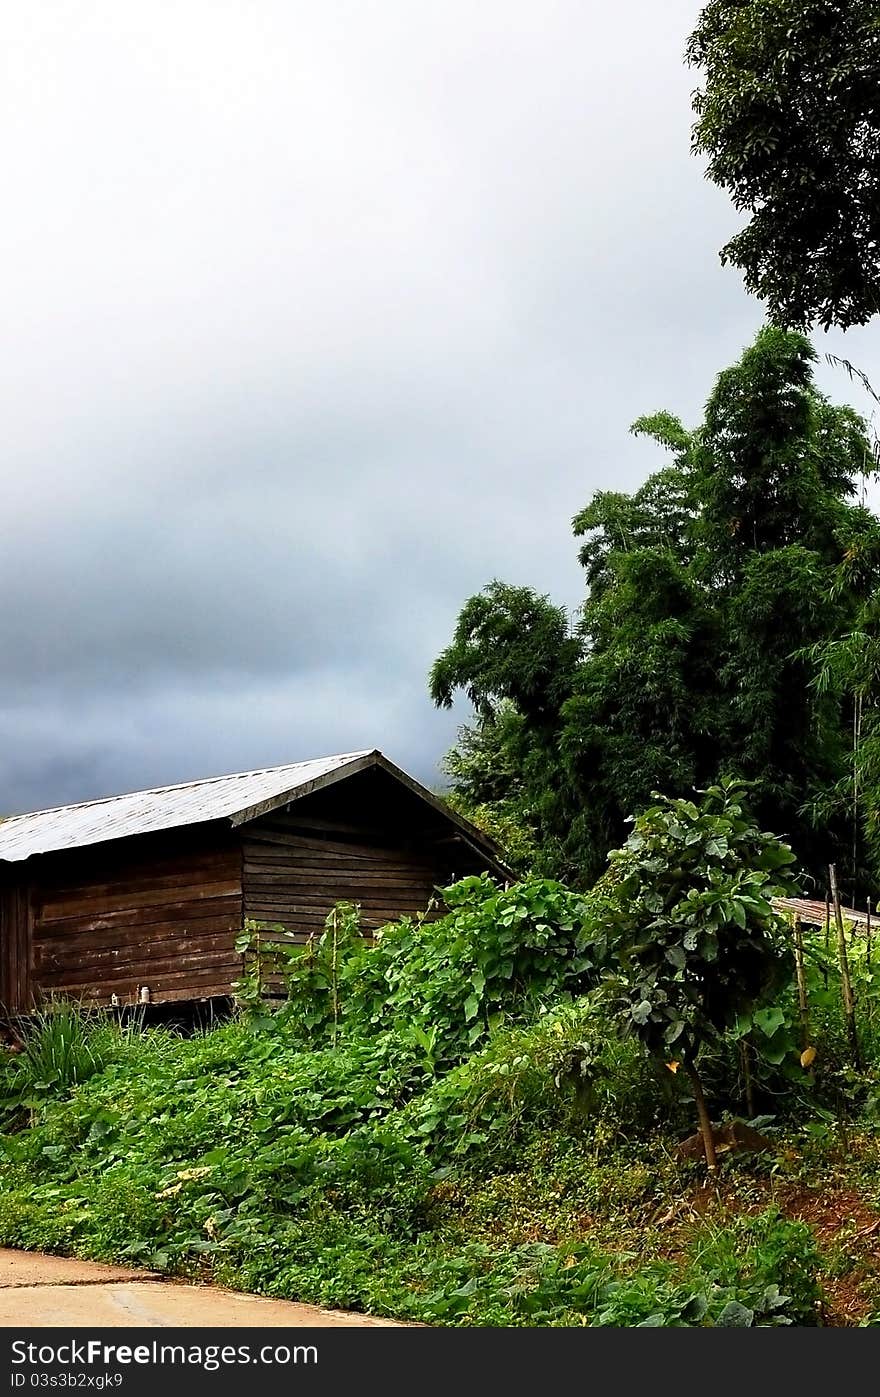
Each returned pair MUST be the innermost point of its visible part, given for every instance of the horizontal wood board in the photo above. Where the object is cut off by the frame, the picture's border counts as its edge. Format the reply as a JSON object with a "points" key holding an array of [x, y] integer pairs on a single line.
{"points": [[161, 912]]}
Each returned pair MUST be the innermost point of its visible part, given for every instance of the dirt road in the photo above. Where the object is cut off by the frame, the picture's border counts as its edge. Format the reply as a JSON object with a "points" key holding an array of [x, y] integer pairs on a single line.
{"points": [[42, 1291]]}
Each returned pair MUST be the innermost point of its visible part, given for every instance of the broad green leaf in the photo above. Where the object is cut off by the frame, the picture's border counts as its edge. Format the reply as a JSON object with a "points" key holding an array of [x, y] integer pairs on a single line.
{"points": [[769, 1021], [735, 1316]]}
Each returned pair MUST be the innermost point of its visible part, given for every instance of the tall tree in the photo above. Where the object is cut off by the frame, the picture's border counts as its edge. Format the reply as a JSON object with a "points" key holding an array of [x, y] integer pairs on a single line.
{"points": [[788, 117], [707, 589], [514, 657]]}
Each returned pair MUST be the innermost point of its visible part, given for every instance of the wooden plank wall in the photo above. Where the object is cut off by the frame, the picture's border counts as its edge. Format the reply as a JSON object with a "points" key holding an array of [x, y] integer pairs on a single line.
{"points": [[16, 948], [296, 866], [163, 913], [295, 880]]}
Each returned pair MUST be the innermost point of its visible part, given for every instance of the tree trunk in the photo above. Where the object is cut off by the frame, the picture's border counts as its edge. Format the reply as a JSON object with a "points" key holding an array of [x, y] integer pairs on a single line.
{"points": [[703, 1117]]}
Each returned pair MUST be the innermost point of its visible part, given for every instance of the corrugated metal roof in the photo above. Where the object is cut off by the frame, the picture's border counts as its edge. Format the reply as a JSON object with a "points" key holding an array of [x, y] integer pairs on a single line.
{"points": [[165, 807], [813, 912]]}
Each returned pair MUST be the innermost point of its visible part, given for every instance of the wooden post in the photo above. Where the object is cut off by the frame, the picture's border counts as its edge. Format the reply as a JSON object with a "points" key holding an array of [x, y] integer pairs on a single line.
{"points": [[803, 1004], [868, 936], [827, 938], [845, 981]]}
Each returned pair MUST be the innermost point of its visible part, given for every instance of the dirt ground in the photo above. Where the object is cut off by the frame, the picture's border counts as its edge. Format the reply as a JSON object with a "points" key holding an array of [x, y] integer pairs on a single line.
{"points": [[44, 1291]]}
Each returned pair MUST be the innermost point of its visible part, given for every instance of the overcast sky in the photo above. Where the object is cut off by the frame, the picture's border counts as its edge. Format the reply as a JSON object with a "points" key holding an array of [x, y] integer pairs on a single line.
{"points": [[317, 316]]}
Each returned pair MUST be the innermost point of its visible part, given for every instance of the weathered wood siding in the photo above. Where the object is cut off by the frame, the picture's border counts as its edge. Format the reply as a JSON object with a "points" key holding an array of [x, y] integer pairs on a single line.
{"points": [[163, 911], [16, 942], [369, 843]]}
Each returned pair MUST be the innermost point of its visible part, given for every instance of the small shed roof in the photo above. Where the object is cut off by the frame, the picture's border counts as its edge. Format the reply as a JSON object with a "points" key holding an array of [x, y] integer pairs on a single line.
{"points": [[237, 798], [813, 913]]}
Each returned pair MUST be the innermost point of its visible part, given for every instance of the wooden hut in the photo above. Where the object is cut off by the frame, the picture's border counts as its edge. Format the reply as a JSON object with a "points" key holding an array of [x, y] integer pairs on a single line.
{"points": [[141, 896]]}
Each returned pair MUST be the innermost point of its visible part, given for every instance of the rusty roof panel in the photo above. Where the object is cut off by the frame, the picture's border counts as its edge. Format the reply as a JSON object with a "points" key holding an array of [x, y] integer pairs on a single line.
{"points": [[163, 808]]}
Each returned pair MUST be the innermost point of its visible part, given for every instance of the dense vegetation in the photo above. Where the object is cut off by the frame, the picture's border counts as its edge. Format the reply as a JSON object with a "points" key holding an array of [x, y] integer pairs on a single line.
{"points": [[713, 593], [474, 1120]]}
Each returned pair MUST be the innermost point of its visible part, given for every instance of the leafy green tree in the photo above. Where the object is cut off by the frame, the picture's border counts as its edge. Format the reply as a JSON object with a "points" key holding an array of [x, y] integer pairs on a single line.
{"points": [[775, 462], [485, 769], [510, 644], [692, 658], [690, 924], [644, 707], [789, 121], [515, 658]]}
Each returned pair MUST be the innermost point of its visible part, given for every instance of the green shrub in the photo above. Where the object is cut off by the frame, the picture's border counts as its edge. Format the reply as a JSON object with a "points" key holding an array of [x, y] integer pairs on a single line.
{"points": [[565, 1074], [762, 1256], [497, 956]]}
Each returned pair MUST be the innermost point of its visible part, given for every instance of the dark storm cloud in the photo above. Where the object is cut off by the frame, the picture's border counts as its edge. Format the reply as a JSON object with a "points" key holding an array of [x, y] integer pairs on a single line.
{"points": [[318, 317]]}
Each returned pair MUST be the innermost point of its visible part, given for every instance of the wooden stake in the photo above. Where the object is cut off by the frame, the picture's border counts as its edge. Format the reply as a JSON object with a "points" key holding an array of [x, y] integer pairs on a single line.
{"points": [[845, 981], [803, 1004], [868, 935]]}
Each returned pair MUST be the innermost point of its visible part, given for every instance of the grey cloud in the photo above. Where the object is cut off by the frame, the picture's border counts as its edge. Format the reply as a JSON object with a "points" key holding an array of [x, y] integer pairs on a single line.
{"points": [[316, 318]]}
